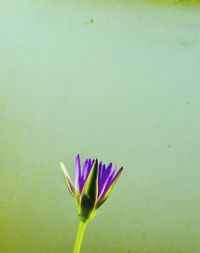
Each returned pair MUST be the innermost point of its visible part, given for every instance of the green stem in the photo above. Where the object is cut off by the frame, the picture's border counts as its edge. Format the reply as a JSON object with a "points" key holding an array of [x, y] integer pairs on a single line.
{"points": [[79, 236]]}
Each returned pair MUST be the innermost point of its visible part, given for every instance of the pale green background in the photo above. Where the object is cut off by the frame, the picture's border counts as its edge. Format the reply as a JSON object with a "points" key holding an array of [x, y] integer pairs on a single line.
{"points": [[124, 88]]}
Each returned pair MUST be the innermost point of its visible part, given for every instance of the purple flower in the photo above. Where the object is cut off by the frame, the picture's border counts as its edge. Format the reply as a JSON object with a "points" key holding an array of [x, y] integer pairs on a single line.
{"points": [[93, 184]]}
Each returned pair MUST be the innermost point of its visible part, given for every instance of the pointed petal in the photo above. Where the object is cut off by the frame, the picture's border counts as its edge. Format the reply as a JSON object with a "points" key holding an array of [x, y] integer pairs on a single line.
{"points": [[85, 169], [100, 170], [77, 173], [104, 179], [68, 180], [82, 179], [108, 188]]}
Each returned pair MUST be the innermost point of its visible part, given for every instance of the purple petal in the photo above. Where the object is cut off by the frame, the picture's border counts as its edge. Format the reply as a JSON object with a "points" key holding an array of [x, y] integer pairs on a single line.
{"points": [[116, 175], [85, 169], [77, 172], [104, 178], [110, 181], [100, 170], [85, 173]]}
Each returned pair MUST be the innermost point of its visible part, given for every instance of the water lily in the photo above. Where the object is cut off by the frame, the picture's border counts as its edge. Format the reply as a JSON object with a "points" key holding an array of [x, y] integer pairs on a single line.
{"points": [[93, 184]]}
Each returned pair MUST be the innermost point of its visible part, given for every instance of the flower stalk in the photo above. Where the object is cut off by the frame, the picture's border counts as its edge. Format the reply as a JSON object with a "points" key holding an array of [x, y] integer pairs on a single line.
{"points": [[79, 236]]}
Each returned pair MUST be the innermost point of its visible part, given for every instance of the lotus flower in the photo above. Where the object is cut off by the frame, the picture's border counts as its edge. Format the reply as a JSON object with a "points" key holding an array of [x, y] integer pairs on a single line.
{"points": [[93, 184]]}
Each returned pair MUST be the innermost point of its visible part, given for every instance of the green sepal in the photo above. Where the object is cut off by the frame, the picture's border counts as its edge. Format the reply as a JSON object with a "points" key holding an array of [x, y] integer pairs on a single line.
{"points": [[67, 178], [89, 195]]}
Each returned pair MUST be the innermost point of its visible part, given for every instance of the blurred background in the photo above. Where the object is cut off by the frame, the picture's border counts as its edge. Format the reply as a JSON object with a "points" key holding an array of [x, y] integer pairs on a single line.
{"points": [[117, 80]]}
